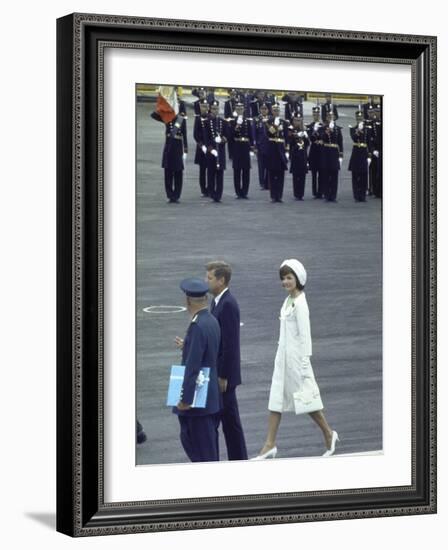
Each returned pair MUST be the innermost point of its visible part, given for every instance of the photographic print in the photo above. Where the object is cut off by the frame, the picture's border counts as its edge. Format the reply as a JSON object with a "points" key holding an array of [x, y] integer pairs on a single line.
{"points": [[259, 257], [246, 284]]}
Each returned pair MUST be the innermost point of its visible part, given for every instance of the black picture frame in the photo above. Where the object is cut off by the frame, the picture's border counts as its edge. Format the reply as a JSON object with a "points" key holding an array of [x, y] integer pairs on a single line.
{"points": [[81, 510]]}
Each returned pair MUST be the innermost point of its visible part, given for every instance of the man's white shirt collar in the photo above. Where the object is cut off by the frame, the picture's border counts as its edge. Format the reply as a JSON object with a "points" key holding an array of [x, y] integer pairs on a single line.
{"points": [[220, 296]]}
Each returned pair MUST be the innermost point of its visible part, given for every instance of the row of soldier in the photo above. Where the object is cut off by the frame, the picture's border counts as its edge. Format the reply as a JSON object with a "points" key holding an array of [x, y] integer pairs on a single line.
{"points": [[277, 142]]}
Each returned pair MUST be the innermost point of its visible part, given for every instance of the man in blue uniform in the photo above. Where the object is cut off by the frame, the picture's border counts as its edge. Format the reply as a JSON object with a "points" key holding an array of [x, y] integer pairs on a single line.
{"points": [[376, 146], [225, 309], [331, 158], [261, 145], [360, 158], [174, 154], [199, 426], [200, 157], [314, 153], [215, 138], [241, 137], [277, 157], [298, 146]]}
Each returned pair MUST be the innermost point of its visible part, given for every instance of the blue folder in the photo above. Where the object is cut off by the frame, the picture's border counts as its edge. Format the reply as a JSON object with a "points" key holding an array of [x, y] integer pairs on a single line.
{"points": [[175, 387]]}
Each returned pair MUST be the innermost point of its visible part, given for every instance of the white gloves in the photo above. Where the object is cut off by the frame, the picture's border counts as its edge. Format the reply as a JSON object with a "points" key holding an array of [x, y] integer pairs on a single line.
{"points": [[287, 155], [316, 126], [303, 134], [184, 156], [204, 149], [214, 152], [239, 120], [218, 139], [340, 161], [252, 154], [332, 124], [376, 153], [369, 160], [235, 114], [361, 126], [277, 120]]}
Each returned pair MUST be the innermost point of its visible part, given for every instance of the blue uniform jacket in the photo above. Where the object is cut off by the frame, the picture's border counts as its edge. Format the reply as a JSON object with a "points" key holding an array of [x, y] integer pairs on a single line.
{"points": [[229, 361], [201, 346], [360, 152], [241, 149], [214, 127]]}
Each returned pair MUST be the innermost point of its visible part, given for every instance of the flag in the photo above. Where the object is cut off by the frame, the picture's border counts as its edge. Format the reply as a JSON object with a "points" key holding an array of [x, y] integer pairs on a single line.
{"points": [[167, 106]]}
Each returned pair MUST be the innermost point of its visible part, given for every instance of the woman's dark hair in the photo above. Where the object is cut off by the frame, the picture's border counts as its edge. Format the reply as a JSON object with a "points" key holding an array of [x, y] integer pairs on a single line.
{"points": [[285, 270]]}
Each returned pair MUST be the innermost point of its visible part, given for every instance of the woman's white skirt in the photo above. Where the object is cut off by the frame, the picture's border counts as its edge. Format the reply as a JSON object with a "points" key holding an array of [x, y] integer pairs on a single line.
{"points": [[287, 378]]}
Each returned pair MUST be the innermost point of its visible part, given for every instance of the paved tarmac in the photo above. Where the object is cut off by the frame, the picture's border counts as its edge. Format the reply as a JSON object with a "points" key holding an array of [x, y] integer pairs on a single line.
{"points": [[340, 246]]}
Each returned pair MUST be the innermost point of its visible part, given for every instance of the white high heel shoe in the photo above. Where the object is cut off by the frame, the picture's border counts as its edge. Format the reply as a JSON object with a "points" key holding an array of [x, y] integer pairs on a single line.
{"points": [[268, 454], [334, 439]]}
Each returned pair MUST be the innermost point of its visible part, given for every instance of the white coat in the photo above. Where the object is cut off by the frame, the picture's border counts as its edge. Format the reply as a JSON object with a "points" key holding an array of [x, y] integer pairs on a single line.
{"points": [[292, 360]]}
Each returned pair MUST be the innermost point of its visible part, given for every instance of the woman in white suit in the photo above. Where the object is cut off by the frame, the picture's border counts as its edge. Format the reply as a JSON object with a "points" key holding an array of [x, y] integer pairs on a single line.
{"points": [[293, 386]]}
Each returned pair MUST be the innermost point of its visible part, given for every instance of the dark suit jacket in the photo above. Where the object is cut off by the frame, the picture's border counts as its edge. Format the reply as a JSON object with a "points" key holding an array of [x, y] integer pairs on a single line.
{"points": [[228, 314]]}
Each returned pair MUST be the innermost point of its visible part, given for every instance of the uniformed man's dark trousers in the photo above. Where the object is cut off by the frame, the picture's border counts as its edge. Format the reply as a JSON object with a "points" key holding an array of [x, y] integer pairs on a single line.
{"points": [[241, 179], [231, 426], [262, 171], [298, 185], [359, 184], [215, 179], [376, 178], [173, 184], [316, 183], [276, 183], [203, 179], [199, 437], [331, 185]]}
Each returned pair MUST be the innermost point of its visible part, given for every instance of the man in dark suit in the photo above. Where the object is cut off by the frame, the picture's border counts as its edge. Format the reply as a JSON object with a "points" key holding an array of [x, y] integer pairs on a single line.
{"points": [[199, 426], [225, 309]]}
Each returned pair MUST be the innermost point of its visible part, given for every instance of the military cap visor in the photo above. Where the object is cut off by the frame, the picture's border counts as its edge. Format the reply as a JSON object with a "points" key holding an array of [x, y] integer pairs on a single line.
{"points": [[194, 287]]}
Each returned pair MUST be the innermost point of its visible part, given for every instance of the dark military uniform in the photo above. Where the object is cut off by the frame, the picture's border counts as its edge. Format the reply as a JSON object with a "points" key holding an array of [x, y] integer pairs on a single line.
{"points": [[241, 136], [200, 157], [199, 426], [376, 166], [298, 145], [332, 149], [229, 114], [262, 146], [277, 161], [215, 127], [172, 158], [314, 157], [358, 165]]}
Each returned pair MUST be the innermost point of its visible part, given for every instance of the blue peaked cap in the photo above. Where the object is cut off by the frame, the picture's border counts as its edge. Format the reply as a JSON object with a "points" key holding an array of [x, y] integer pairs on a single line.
{"points": [[194, 287]]}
